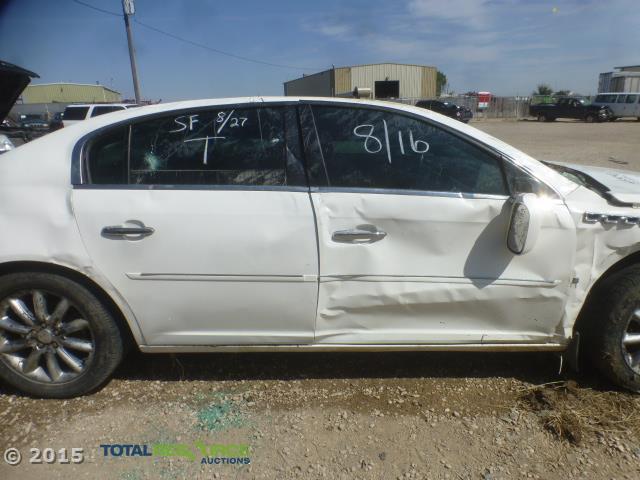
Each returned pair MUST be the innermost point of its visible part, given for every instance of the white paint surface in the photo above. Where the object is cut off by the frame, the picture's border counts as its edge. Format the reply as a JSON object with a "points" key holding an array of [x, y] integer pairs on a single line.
{"points": [[233, 267]]}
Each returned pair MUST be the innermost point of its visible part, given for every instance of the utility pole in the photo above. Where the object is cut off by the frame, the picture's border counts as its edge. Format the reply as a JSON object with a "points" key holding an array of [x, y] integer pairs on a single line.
{"points": [[128, 8]]}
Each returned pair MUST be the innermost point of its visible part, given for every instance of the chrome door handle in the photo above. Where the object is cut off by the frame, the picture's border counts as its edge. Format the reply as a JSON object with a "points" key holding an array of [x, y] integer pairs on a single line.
{"points": [[118, 231], [358, 235]]}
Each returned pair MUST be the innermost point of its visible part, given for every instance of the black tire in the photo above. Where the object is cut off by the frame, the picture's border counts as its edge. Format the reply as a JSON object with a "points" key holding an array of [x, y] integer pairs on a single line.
{"points": [[542, 117], [610, 315], [108, 340], [613, 119], [550, 118], [590, 118]]}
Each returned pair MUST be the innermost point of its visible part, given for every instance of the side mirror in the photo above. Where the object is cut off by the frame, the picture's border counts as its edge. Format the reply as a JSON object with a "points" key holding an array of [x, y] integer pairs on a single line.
{"points": [[524, 224]]}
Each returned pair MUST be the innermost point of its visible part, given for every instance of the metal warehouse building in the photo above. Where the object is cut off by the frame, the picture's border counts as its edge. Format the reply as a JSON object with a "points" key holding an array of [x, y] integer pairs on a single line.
{"points": [[386, 80], [69, 93], [626, 79]]}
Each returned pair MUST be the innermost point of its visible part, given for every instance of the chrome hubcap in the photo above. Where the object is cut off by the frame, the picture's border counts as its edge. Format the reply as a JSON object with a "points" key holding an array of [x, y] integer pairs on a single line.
{"points": [[44, 337], [631, 342]]}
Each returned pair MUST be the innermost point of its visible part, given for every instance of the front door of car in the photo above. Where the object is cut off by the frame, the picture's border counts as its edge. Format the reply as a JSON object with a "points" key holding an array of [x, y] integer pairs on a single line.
{"points": [[572, 109], [412, 223], [201, 220]]}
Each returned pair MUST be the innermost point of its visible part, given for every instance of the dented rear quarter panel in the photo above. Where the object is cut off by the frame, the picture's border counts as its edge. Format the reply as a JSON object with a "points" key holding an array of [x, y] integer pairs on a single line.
{"points": [[36, 213]]}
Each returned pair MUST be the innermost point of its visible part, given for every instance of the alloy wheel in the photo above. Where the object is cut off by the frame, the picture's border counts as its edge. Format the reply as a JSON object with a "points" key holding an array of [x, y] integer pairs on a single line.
{"points": [[631, 342], [44, 337]]}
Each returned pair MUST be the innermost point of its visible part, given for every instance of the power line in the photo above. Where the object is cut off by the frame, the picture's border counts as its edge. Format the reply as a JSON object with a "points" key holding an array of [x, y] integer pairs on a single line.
{"points": [[115, 14], [196, 44], [221, 52]]}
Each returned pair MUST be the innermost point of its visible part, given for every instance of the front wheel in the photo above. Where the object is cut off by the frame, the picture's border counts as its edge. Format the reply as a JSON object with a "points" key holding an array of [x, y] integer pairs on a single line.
{"points": [[590, 118], [57, 340], [614, 329]]}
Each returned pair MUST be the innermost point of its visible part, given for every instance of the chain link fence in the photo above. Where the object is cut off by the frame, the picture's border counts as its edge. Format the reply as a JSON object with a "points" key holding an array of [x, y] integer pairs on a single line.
{"points": [[498, 107]]}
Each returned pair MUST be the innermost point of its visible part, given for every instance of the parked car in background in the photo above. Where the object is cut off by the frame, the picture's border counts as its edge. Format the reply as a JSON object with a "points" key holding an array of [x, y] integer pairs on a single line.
{"points": [[447, 108], [33, 122], [56, 122], [621, 104], [77, 113], [570, 107], [305, 224]]}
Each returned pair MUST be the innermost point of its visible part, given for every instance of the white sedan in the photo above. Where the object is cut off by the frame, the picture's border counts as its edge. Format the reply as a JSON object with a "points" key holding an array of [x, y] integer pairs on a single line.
{"points": [[304, 224]]}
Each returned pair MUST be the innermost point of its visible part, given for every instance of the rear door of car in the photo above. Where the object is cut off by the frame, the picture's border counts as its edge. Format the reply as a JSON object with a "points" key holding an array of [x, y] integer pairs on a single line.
{"points": [[412, 221], [619, 109], [629, 106], [634, 106], [201, 220]]}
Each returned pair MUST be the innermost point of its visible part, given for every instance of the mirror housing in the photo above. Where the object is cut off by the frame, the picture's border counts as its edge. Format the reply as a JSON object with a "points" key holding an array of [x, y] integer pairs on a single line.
{"points": [[524, 223]]}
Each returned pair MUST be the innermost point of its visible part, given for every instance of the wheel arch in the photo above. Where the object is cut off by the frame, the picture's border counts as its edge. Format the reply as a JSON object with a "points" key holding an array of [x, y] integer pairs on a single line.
{"points": [[596, 288], [128, 326]]}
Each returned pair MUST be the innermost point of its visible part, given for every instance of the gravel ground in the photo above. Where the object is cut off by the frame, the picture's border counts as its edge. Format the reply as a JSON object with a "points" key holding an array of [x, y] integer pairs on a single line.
{"points": [[343, 416], [613, 145]]}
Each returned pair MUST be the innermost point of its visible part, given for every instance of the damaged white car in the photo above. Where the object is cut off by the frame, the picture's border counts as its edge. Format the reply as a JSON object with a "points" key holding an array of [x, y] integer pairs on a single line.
{"points": [[304, 224]]}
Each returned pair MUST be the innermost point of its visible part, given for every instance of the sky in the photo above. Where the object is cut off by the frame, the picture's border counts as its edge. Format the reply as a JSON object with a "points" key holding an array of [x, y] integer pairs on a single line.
{"points": [[503, 46]]}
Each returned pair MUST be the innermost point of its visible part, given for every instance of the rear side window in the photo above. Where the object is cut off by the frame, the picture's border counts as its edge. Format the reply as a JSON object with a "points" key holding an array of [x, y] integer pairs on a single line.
{"points": [[107, 158], [75, 113], [102, 109], [219, 147], [214, 147], [367, 148]]}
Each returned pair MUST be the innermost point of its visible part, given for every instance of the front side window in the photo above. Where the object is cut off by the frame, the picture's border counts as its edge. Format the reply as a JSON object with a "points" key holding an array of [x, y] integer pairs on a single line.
{"points": [[365, 148], [621, 98]]}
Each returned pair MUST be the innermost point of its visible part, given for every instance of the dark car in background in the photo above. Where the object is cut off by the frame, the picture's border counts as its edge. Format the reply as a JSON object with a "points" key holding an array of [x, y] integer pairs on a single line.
{"points": [[447, 108], [56, 122], [33, 122], [571, 107]]}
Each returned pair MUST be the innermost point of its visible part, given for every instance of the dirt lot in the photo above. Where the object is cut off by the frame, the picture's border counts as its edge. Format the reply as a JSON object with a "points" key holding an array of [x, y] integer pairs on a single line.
{"points": [[344, 416], [613, 145]]}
